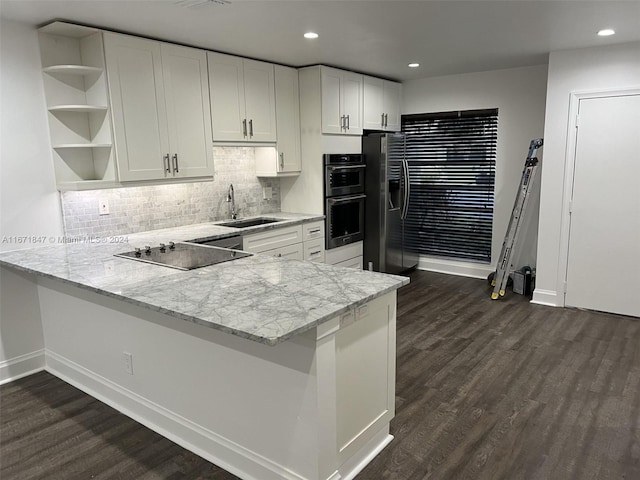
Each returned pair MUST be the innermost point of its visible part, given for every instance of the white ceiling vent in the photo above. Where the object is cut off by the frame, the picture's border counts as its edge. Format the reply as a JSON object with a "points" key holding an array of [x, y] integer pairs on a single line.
{"points": [[200, 3]]}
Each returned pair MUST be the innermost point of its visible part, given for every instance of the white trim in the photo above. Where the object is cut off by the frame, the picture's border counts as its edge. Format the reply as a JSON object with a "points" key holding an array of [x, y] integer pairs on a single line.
{"points": [[455, 267], [216, 449], [547, 297], [21, 366], [365, 455], [569, 169]]}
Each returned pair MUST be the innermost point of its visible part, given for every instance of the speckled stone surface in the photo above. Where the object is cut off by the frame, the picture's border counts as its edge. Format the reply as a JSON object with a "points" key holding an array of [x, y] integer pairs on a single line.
{"points": [[261, 298]]}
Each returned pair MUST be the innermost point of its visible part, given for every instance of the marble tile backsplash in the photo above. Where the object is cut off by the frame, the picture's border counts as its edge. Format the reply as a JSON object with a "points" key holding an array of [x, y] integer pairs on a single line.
{"points": [[137, 209]]}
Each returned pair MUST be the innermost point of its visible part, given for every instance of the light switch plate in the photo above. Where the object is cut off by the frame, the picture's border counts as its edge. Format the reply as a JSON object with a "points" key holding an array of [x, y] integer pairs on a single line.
{"points": [[267, 193]]}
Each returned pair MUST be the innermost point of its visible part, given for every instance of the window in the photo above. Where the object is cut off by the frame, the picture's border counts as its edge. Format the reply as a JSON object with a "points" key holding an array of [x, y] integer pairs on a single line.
{"points": [[451, 158]]}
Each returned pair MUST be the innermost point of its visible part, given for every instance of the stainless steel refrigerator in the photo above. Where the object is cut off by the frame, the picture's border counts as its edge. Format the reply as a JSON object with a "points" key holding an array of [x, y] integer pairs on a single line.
{"points": [[388, 188]]}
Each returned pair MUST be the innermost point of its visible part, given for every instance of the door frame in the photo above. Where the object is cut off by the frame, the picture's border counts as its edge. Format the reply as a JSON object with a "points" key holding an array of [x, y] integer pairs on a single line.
{"points": [[569, 172]]}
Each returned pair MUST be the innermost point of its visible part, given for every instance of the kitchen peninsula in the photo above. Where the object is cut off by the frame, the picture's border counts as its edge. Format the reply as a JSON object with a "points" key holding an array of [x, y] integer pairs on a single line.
{"points": [[270, 368]]}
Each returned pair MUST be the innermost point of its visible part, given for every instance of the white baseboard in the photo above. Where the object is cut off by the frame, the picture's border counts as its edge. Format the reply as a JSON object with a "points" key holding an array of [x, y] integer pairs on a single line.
{"points": [[21, 366], [547, 297], [216, 449], [454, 267], [368, 452]]}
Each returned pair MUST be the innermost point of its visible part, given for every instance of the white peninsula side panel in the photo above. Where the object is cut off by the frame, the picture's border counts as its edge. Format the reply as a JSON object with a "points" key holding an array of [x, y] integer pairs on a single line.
{"points": [[314, 407]]}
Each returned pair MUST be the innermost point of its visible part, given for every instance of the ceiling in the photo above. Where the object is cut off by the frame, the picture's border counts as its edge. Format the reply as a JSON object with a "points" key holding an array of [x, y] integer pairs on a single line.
{"points": [[378, 37]]}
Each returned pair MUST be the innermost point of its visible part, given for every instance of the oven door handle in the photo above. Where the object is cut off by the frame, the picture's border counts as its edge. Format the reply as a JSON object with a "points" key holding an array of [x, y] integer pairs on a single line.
{"points": [[351, 198], [345, 167]]}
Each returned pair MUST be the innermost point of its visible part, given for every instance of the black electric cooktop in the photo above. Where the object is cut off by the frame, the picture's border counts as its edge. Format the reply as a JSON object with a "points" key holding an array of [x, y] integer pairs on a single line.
{"points": [[183, 256]]}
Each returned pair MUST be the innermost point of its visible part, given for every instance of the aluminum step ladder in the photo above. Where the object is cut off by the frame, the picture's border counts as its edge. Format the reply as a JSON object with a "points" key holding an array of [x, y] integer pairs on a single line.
{"points": [[505, 263]]}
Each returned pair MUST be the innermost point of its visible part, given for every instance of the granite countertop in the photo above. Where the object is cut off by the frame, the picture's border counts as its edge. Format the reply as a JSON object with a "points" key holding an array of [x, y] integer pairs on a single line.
{"points": [[261, 298]]}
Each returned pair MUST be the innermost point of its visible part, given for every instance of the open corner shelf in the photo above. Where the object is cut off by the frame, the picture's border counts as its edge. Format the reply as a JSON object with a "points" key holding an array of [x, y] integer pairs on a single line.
{"points": [[82, 145], [80, 70], [78, 108]]}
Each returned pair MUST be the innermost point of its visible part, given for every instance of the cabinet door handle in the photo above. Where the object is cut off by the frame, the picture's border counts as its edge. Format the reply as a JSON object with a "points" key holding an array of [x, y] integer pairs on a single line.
{"points": [[342, 123], [281, 160], [316, 230], [382, 124], [317, 252], [386, 119], [175, 163], [167, 165], [251, 128], [348, 122], [244, 127]]}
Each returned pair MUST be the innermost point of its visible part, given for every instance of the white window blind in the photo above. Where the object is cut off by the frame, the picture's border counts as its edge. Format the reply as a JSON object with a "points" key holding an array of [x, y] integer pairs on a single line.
{"points": [[451, 157]]}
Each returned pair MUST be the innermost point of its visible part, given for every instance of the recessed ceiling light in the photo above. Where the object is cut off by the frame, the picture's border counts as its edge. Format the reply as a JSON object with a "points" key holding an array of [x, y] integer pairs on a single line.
{"points": [[606, 32], [311, 35], [413, 65]]}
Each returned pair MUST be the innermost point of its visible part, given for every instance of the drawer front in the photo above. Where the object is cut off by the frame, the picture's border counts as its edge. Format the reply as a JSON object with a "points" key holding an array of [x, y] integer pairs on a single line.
{"points": [[294, 252], [312, 231], [271, 239], [351, 263], [314, 251], [335, 256]]}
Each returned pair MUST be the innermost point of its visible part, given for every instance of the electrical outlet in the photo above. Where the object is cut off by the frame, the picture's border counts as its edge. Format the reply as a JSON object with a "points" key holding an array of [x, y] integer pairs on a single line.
{"points": [[103, 206], [128, 362], [267, 193]]}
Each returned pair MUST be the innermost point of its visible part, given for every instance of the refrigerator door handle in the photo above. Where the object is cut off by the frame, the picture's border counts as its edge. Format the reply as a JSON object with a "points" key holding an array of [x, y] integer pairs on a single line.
{"points": [[407, 189]]}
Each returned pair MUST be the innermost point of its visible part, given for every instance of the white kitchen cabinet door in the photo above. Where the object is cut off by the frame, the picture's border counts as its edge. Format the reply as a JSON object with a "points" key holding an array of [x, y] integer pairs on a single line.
{"points": [[134, 69], [287, 120], [342, 95], [351, 93], [260, 100], [392, 96], [226, 85], [373, 110], [381, 104], [332, 121], [188, 110]]}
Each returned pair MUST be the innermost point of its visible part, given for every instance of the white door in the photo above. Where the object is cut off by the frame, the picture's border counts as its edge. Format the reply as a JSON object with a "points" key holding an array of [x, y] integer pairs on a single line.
{"points": [[227, 97], [603, 268], [188, 112], [260, 101], [134, 69]]}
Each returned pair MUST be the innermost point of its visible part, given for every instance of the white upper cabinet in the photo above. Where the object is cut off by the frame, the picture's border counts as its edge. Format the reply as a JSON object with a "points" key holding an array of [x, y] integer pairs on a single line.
{"points": [[381, 104], [160, 104], [242, 99], [342, 100], [284, 160]]}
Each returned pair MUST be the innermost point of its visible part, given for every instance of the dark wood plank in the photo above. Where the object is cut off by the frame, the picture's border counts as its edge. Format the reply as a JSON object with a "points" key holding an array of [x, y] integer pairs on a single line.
{"points": [[486, 390]]}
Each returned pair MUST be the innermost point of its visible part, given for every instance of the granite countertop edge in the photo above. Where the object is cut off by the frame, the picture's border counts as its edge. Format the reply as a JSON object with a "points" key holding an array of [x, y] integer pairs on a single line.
{"points": [[372, 284]]}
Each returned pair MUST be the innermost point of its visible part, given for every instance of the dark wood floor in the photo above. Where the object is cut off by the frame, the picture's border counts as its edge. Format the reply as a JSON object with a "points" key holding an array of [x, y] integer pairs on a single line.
{"points": [[486, 390]]}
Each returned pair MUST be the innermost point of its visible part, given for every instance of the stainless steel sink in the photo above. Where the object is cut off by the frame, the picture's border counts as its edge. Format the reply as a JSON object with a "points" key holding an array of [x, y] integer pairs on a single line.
{"points": [[250, 222]]}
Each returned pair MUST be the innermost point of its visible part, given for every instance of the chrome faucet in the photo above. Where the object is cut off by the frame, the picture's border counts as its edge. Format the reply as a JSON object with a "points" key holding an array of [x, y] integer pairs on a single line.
{"points": [[232, 199]]}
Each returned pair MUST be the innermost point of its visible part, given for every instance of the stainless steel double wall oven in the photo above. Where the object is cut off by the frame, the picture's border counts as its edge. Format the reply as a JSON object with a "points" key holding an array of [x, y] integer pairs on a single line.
{"points": [[344, 198]]}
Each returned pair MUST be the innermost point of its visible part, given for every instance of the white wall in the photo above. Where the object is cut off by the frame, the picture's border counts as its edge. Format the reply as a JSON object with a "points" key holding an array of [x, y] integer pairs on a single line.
{"points": [[601, 68], [29, 201], [519, 94]]}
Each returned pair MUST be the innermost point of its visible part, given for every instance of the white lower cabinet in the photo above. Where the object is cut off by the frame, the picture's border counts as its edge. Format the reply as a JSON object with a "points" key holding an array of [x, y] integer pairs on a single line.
{"points": [[314, 251], [299, 242], [355, 262], [294, 252], [346, 256]]}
